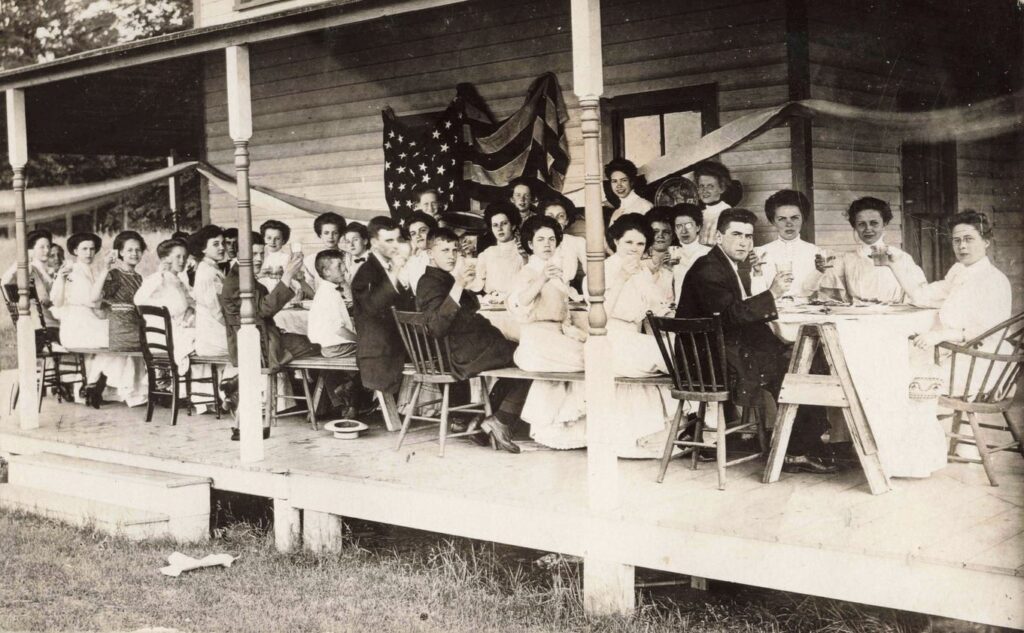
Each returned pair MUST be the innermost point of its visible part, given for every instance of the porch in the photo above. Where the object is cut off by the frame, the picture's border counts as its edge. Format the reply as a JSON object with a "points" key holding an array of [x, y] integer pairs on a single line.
{"points": [[950, 545]]}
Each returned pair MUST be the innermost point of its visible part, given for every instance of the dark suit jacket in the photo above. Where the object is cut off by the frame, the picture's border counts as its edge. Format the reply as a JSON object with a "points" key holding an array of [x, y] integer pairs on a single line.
{"points": [[752, 350], [475, 344], [379, 350], [276, 350]]}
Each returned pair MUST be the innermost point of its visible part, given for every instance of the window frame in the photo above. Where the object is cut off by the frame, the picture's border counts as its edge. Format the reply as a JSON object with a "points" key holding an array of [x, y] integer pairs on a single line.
{"points": [[242, 5], [701, 98]]}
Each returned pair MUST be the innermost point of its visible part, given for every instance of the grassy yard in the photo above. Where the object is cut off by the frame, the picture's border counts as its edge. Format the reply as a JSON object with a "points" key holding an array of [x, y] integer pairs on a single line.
{"points": [[59, 578]]}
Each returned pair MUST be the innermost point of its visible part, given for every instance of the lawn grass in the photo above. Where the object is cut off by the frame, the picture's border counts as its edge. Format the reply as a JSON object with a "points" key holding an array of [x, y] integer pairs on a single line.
{"points": [[58, 578]]}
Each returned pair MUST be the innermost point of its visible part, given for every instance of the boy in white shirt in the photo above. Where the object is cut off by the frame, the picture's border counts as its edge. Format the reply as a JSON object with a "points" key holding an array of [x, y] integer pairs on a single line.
{"points": [[330, 325], [329, 227]]}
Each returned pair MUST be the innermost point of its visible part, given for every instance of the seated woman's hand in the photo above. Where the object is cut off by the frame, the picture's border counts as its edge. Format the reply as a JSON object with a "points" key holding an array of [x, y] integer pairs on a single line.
{"points": [[552, 270]]}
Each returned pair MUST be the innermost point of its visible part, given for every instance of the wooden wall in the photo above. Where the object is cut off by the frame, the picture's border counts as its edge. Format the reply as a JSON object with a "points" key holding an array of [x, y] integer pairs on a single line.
{"points": [[317, 98]]}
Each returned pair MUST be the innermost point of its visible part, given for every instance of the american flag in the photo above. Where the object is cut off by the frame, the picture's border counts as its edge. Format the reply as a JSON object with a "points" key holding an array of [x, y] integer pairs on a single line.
{"points": [[412, 159]]}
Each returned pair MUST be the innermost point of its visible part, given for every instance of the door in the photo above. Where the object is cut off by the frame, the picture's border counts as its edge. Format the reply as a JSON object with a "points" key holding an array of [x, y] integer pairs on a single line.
{"points": [[929, 198]]}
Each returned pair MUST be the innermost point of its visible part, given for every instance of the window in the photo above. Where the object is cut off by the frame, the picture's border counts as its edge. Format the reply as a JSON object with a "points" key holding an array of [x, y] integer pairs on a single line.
{"points": [[647, 125]]}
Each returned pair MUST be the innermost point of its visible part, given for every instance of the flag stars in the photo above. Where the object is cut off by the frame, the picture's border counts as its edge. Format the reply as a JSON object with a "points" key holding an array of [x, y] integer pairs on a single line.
{"points": [[401, 169], [436, 134], [441, 170], [402, 155], [426, 178], [423, 167], [391, 134], [444, 147], [447, 125], [401, 186]]}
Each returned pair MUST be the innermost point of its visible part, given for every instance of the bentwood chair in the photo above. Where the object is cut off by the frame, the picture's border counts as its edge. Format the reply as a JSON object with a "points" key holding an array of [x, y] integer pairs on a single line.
{"points": [[60, 370], [990, 379], [694, 352], [156, 339], [432, 365]]}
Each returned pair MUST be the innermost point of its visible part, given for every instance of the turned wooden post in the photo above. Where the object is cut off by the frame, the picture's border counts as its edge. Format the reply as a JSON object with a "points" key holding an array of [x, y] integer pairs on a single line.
{"points": [[17, 153], [250, 361], [608, 586]]}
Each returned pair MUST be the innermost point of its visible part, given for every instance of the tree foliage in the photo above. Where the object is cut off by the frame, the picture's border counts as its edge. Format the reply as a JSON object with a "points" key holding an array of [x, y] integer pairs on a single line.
{"points": [[33, 31]]}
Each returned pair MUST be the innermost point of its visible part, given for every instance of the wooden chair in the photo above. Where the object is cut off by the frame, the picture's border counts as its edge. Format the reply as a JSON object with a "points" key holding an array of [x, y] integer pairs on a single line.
{"points": [[156, 338], [694, 352], [431, 364], [59, 369], [993, 394]]}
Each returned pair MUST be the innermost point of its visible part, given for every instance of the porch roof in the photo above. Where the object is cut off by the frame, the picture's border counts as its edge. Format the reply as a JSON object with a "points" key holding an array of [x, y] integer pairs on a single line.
{"points": [[144, 97]]}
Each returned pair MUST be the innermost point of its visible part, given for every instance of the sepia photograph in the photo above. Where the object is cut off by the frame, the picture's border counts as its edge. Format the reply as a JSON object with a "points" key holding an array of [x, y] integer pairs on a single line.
{"points": [[595, 316]]}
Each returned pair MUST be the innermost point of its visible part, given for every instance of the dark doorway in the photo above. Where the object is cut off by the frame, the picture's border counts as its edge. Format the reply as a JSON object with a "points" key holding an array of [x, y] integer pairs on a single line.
{"points": [[929, 197]]}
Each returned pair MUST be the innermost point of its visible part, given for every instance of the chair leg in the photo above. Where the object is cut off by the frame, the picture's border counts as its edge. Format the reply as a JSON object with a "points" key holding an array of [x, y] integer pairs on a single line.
{"points": [[1014, 433], [409, 413], [189, 411], [151, 400], [310, 409], [762, 432], [486, 397], [720, 454], [698, 434], [174, 398], [670, 442], [958, 420], [270, 412], [215, 389], [445, 390], [983, 449]]}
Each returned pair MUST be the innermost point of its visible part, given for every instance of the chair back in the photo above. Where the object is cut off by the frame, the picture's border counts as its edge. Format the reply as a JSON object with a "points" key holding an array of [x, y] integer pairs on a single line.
{"points": [[10, 293], [694, 353], [429, 355], [156, 337], [990, 376]]}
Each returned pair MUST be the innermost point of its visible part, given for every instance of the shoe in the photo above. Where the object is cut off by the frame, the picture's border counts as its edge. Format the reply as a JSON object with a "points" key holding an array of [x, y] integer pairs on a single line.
{"points": [[236, 437], [808, 464], [501, 437], [707, 454]]}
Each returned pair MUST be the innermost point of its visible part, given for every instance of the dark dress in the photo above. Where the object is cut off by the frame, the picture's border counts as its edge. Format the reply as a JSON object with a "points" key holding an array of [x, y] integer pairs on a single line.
{"points": [[379, 350], [119, 296], [475, 344]]}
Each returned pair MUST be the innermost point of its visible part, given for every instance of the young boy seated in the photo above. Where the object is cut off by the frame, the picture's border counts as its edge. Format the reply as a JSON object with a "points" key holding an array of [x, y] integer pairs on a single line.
{"points": [[452, 311], [329, 227]]}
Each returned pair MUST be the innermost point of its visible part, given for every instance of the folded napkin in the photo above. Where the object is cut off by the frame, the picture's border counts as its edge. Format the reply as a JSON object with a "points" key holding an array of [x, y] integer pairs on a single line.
{"points": [[180, 563]]}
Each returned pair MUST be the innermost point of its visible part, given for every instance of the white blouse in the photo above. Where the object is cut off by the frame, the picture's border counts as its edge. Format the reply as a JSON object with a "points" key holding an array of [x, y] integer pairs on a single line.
{"points": [[497, 267], [632, 203], [686, 254], [855, 273], [971, 298], [800, 254], [709, 223]]}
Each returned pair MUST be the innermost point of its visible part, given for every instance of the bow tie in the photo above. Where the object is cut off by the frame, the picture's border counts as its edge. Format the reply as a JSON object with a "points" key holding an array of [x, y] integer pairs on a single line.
{"points": [[358, 260]]}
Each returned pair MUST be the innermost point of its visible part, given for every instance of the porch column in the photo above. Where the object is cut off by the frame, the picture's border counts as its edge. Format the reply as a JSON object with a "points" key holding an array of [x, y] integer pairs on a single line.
{"points": [[174, 192], [250, 421], [608, 586], [17, 153]]}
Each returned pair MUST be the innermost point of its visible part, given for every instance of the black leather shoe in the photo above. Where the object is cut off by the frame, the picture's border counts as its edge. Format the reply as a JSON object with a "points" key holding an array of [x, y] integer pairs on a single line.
{"points": [[235, 436], [808, 464], [500, 433]]}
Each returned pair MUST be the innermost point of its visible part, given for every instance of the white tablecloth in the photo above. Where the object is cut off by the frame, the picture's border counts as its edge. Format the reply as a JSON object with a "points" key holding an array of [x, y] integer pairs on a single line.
{"points": [[294, 320], [891, 382]]}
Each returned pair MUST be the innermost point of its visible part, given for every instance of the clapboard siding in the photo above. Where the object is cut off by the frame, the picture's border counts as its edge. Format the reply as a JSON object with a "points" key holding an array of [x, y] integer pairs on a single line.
{"points": [[317, 97]]}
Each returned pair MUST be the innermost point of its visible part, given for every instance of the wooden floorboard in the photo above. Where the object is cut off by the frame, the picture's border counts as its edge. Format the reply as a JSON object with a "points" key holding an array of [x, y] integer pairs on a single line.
{"points": [[953, 518]]}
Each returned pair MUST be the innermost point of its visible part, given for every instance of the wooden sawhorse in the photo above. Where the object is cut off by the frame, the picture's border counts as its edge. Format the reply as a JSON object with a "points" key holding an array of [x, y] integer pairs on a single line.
{"points": [[834, 389]]}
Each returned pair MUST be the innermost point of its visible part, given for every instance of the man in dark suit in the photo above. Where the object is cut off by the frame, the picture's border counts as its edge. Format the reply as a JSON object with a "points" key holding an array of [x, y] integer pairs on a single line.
{"points": [[278, 347], [756, 358], [451, 311], [376, 288]]}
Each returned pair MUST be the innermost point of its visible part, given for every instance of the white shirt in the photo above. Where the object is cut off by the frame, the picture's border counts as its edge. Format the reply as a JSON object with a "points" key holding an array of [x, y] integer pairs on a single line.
{"points": [[686, 254], [801, 255], [387, 269], [352, 264], [309, 270], [496, 268], [329, 321], [855, 273], [632, 203], [971, 298], [709, 223], [572, 253], [414, 268]]}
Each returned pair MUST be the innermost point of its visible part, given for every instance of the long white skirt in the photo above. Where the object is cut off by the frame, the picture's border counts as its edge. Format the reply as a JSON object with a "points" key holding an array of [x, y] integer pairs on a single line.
{"points": [[555, 411], [642, 413]]}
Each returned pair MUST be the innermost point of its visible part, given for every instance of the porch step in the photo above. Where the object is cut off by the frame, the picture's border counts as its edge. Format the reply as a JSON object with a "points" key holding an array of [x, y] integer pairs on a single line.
{"points": [[184, 499], [106, 517]]}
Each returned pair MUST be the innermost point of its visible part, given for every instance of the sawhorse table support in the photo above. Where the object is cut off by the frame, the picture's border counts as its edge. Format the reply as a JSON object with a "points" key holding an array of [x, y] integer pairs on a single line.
{"points": [[801, 387]]}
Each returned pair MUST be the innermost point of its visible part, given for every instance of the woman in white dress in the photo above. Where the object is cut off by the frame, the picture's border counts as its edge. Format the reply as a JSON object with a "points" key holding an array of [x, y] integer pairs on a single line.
{"points": [[974, 297], [687, 220], [276, 257], [539, 300], [863, 275], [165, 289], [643, 412], [658, 260], [497, 266], [78, 311], [622, 175], [207, 246], [572, 252], [39, 245], [417, 227], [713, 180]]}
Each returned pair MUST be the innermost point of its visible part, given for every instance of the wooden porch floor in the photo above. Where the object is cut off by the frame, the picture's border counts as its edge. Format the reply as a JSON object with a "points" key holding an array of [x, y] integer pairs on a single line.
{"points": [[949, 545]]}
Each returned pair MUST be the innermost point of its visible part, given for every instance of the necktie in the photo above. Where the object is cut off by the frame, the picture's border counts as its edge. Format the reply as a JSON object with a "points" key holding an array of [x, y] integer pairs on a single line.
{"points": [[359, 260]]}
